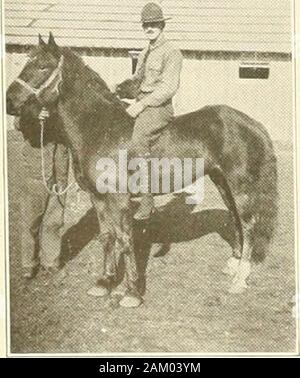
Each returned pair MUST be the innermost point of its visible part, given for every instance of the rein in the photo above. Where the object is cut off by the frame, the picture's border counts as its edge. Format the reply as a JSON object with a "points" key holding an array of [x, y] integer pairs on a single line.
{"points": [[55, 188]]}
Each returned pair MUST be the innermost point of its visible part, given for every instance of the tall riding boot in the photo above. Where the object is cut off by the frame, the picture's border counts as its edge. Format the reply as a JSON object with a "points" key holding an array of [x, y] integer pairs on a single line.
{"points": [[146, 207]]}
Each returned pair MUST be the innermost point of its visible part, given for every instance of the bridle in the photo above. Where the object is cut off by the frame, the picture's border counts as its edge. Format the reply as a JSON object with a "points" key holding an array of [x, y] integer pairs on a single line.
{"points": [[55, 78]]}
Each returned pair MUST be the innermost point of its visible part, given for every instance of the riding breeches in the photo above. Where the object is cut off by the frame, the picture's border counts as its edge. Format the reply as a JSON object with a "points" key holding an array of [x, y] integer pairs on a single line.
{"points": [[149, 125]]}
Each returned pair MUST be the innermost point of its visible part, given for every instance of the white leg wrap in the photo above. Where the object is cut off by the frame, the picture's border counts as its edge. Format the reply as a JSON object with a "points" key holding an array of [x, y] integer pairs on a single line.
{"points": [[232, 266], [244, 270], [239, 283]]}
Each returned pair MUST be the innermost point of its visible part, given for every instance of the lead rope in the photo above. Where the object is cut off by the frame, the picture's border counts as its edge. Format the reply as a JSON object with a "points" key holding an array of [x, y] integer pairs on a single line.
{"points": [[55, 188]]}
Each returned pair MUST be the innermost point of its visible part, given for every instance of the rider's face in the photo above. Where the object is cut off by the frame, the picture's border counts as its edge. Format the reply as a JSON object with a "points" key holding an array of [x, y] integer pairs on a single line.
{"points": [[152, 30]]}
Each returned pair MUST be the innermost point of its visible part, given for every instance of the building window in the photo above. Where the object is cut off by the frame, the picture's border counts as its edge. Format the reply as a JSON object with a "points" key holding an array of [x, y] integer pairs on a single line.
{"points": [[254, 70], [134, 54]]}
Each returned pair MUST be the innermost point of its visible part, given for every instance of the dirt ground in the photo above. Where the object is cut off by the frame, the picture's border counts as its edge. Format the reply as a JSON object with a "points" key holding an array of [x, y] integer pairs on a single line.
{"points": [[187, 307]]}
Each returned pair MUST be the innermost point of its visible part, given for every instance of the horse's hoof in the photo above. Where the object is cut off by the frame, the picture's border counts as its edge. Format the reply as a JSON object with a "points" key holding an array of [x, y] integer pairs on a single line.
{"points": [[29, 273], [98, 291], [231, 267], [228, 271], [237, 288], [130, 301], [119, 291]]}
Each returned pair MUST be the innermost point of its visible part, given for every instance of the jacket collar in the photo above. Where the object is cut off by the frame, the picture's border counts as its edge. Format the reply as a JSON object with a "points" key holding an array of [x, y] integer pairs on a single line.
{"points": [[159, 42]]}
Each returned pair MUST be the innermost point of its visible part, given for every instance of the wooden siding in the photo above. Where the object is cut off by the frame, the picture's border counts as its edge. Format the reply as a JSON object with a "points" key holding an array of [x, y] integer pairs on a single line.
{"points": [[210, 25]]}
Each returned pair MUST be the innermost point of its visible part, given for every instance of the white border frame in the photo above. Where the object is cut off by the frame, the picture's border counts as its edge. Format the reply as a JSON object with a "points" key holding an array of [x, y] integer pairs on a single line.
{"points": [[4, 268]]}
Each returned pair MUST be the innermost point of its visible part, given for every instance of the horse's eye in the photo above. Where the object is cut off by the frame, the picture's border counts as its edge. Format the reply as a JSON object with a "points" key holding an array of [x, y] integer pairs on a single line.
{"points": [[43, 68]]}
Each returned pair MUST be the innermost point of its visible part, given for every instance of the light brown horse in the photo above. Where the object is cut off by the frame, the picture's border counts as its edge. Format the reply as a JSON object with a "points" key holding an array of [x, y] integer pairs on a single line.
{"points": [[237, 151]]}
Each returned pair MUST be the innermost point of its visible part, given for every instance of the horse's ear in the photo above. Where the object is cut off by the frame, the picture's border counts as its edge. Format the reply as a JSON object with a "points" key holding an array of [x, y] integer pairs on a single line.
{"points": [[53, 47], [41, 41], [51, 41]]}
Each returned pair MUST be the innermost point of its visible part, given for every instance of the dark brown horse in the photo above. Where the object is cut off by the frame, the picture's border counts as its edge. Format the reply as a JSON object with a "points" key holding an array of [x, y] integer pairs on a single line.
{"points": [[237, 151]]}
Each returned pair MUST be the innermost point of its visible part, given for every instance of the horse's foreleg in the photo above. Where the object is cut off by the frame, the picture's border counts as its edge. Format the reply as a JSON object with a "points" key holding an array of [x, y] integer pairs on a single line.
{"points": [[107, 237], [122, 216], [132, 297]]}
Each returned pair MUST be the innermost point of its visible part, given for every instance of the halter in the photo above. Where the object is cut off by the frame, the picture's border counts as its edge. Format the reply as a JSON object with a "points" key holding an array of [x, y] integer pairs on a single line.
{"points": [[55, 76]]}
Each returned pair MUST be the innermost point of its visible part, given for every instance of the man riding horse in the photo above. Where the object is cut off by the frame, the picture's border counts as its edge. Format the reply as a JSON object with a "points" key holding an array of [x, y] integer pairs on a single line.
{"points": [[156, 80]]}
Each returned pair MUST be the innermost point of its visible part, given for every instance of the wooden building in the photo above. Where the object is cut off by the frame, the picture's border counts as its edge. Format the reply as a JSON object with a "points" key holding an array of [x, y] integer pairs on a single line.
{"points": [[237, 52]]}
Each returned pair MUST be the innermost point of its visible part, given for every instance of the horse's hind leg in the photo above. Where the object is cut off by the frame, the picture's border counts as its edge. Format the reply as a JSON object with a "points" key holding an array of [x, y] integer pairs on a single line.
{"points": [[219, 180], [245, 208], [238, 199], [241, 201], [238, 203], [239, 283]]}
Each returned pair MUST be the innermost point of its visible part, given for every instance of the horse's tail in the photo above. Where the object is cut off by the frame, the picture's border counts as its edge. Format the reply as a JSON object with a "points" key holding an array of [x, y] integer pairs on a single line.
{"points": [[265, 202]]}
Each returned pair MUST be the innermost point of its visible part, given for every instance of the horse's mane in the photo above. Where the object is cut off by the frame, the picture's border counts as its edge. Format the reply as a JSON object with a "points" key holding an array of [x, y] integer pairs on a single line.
{"points": [[76, 62], [95, 100]]}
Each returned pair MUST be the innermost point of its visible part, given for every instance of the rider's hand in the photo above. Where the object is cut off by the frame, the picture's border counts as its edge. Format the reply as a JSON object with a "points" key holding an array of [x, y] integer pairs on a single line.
{"points": [[135, 109], [44, 114]]}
